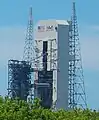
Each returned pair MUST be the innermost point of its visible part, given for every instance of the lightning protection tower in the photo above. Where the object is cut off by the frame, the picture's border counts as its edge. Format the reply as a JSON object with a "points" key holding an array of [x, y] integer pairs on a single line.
{"points": [[19, 72], [28, 49], [77, 97]]}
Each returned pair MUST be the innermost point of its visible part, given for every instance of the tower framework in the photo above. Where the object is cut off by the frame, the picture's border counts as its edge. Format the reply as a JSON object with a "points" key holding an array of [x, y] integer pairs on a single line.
{"points": [[20, 82], [77, 97], [28, 49]]}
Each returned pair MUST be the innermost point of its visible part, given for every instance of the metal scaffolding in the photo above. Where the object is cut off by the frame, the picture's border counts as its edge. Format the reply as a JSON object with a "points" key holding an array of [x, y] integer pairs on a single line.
{"points": [[77, 97], [19, 79]]}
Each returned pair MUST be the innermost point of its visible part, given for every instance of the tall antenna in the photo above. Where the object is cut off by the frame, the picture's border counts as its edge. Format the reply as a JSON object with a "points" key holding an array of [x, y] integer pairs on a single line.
{"points": [[77, 97], [28, 49]]}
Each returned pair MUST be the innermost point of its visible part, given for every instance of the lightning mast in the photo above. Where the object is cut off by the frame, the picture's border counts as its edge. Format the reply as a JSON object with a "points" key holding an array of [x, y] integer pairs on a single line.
{"points": [[28, 54], [77, 97], [19, 72], [28, 49]]}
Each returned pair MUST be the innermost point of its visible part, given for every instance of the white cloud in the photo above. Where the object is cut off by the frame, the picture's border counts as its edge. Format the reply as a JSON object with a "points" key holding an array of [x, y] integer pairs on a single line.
{"points": [[90, 52], [90, 46], [11, 42], [94, 27]]}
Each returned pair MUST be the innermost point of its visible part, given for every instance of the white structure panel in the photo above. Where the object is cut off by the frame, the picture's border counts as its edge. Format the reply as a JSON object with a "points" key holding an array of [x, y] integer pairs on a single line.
{"points": [[63, 64]]}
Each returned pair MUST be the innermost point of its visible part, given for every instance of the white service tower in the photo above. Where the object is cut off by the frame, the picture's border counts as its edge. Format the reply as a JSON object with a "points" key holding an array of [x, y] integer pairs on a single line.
{"points": [[56, 34]]}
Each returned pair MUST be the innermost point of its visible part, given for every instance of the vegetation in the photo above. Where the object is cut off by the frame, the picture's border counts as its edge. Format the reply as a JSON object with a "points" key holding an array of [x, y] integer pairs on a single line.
{"points": [[21, 110]]}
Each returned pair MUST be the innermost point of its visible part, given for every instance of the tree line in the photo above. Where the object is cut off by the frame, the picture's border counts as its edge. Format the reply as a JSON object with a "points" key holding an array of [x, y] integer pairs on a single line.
{"points": [[21, 110]]}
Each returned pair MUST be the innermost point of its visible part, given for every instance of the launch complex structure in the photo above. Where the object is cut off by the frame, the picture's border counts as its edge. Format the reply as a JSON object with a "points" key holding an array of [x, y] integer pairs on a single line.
{"points": [[51, 68]]}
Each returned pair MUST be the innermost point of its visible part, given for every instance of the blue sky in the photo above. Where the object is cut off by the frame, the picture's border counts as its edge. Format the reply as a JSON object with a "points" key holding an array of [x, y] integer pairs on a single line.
{"points": [[13, 22]]}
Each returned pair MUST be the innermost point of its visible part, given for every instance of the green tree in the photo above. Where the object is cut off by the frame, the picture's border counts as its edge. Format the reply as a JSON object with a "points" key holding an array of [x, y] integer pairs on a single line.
{"points": [[21, 110]]}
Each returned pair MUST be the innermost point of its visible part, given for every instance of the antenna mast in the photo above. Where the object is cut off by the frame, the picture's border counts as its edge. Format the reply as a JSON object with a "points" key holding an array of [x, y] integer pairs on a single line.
{"points": [[77, 97]]}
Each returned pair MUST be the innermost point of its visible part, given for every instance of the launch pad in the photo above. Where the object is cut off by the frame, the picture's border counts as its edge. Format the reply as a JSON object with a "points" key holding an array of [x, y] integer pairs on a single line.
{"points": [[53, 58]]}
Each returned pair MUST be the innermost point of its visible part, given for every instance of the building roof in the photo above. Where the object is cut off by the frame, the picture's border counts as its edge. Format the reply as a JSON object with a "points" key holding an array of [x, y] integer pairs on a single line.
{"points": [[63, 22]]}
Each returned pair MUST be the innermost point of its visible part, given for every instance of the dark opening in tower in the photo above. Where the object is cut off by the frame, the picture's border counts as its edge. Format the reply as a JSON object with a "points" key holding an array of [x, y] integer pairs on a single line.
{"points": [[45, 46]]}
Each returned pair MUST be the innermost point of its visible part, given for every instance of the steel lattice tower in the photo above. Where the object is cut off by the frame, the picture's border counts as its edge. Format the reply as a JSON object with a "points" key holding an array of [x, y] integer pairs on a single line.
{"points": [[28, 49], [77, 97], [19, 72], [28, 54]]}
